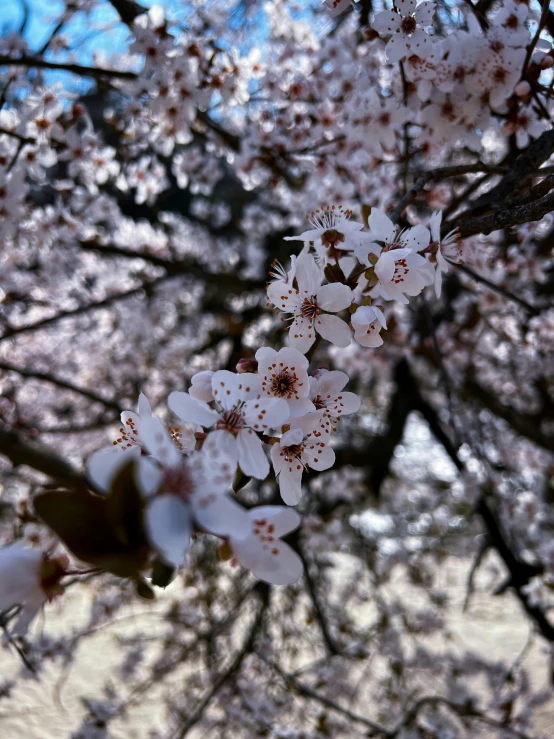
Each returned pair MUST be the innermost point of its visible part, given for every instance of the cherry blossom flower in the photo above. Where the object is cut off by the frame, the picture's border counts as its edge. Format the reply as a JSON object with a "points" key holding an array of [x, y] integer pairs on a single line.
{"points": [[367, 323], [331, 228], [186, 492], [400, 271], [103, 465], [303, 445], [406, 24], [326, 393], [284, 374], [262, 550], [444, 247], [238, 415], [28, 578], [311, 306]]}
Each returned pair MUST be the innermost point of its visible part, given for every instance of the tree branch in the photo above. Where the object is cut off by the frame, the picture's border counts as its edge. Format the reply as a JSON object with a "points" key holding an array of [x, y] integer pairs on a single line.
{"points": [[21, 452], [96, 72], [64, 384], [11, 332]]}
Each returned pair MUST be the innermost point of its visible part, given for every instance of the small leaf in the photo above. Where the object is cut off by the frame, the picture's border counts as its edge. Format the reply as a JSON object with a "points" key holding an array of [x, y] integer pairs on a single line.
{"points": [[162, 573], [144, 590], [366, 212], [105, 531]]}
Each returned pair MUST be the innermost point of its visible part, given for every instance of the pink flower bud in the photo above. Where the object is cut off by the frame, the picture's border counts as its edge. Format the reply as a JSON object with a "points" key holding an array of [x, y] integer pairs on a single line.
{"points": [[247, 365], [547, 62], [522, 89]]}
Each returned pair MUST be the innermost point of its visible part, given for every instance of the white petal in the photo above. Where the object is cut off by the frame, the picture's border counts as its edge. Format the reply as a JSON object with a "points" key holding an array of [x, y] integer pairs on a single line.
{"points": [[19, 574], [291, 437], [169, 527], [104, 464], [348, 403], [30, 609], [201, 386], [424, 13], [252, 459], [312, 424], [362, 251], [420, 43], [319, 457], [435, 225], [384, 269], [396, 49], [290, 484], [308, 275], [220, 447], [192, 410], [381, 226], [266, 413], [144, 406], [158, 442], [220, 514], [406, 7], [416, 238], [266, 356], [301, 334], [333, 329], [331, 383], [334, 297], [371, 339], [226, 390], [277, 564], [300, 407], [386, 22], [364, 315], [285, 297], [281, 519], [292, 358]]}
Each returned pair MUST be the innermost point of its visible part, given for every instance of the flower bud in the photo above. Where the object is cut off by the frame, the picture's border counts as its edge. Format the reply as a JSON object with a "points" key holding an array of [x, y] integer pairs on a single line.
{"points": [[247, 365], [522, 89], [547, 62]]}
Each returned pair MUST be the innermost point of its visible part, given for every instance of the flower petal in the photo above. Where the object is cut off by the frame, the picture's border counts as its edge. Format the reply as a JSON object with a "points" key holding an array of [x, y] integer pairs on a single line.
{"points": [[266, 413], [290, 483], [416, 238], [300, 407], [424, 13], [386, 22], [278, 564], [331, 383], [308, 275], [334, 297], [201, 386], [104, 464], [282, 519], [158, 442], [301, 334], [285, 297], [252, 459], [192, 410], [381, 226], [384, 269], [318, 457], [333, 329], [396, 49], [220, 514], [169, 527]]}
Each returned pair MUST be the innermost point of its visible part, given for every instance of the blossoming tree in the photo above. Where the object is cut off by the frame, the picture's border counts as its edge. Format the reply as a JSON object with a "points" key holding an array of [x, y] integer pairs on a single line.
{"points": [[277, 432]]}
